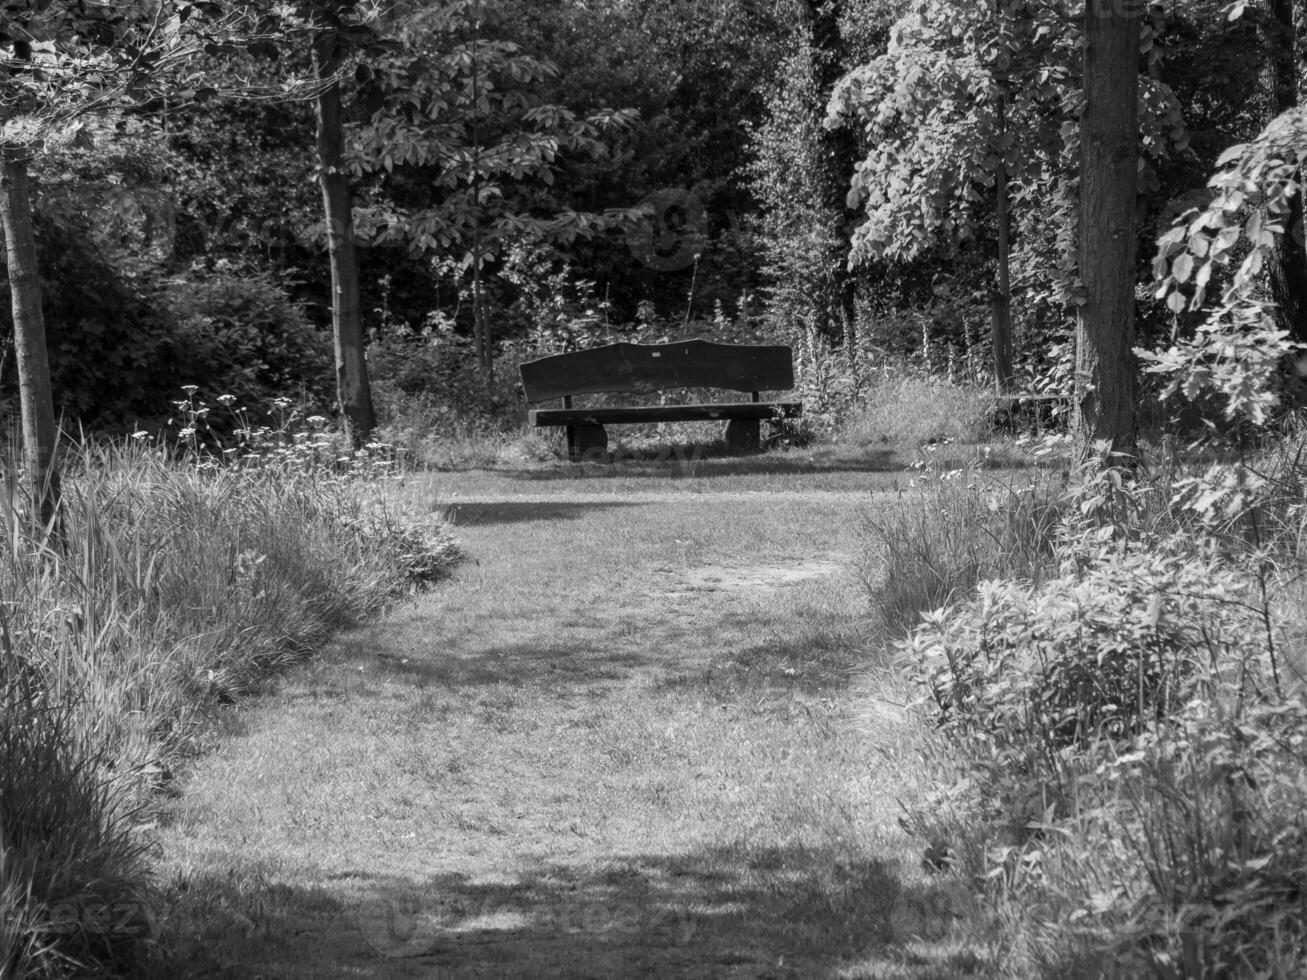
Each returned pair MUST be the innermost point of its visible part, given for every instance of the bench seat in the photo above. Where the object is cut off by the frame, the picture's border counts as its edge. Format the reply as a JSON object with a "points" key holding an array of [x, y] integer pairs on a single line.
{"points": [[664, 413]]}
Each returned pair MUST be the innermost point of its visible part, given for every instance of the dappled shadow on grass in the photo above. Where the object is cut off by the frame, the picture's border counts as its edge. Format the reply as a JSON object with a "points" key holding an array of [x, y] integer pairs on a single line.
{"points": [[801, 664], [514, 512], [692, 462], [677, 642], [684, 463], [789, 912]]}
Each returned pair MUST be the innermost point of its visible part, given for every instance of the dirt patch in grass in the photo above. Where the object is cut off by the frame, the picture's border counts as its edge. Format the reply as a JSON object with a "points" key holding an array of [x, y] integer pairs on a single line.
{"points": [[744, 578], [621, 742]]}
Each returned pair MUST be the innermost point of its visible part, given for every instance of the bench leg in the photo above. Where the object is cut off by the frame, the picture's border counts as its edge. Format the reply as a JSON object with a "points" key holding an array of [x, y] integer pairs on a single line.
{"points": [[743, 435], [587, 444]]}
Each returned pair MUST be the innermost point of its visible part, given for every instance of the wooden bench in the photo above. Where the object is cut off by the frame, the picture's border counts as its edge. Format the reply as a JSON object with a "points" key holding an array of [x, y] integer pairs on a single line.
{"points": [[642, 368]]}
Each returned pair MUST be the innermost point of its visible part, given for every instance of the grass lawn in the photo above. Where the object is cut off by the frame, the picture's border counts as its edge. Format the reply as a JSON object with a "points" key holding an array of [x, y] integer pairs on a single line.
{"points": [[634, 736]]}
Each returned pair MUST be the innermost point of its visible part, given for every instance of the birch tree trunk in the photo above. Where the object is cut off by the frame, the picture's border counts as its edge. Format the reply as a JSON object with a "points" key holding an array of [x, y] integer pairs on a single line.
{"points": [[40, 435], [352, 386], [1105, 383]]}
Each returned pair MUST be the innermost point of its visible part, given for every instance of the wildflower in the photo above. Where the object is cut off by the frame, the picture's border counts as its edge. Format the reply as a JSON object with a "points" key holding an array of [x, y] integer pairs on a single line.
{"points": [[140, 435], [226, 399], [190, 389]]}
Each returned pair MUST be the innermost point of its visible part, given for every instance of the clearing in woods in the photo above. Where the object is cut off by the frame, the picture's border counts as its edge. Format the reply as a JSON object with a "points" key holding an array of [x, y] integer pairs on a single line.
{"points": [[627, 739]]}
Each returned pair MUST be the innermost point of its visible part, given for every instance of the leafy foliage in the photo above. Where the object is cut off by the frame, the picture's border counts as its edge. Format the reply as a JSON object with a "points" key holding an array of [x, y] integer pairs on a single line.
{"points": [[111, 352], [1237, 354], [246, 338], [1250, 195], [928, 115]]}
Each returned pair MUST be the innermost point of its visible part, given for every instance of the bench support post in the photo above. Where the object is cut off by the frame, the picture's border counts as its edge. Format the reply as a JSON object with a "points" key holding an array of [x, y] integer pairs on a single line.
{"points": [[743, 435], [587, 444]]}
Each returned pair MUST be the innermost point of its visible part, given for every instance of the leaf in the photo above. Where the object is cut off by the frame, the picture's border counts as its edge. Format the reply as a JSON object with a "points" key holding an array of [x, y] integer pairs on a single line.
{"points": [[1183, 267], [1253, 228], [1232, 152]]}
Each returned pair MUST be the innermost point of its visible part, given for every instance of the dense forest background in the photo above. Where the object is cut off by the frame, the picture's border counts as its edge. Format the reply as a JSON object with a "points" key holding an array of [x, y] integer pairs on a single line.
{"points": [[741, 168]]}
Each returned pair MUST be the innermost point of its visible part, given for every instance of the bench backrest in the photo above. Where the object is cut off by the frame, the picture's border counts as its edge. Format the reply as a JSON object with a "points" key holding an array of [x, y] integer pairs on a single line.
{"points": [[655, 367]]}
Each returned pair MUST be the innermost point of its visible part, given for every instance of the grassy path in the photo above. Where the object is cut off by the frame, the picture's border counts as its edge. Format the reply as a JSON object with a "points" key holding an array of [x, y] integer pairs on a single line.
{"points": [[622, 742]]}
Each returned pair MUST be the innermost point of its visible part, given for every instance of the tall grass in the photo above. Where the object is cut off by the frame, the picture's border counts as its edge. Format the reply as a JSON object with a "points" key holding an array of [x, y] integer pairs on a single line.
{"points": [[934, 541], [903, 407], [174, 586]]}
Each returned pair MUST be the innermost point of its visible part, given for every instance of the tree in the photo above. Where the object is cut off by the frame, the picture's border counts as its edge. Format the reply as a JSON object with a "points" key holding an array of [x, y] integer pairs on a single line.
{"points": [[353, 389], [970, 133], [40, 434], [800, 173], [965, 105], [67, 60], [1289, 267], [1105, 399], [461, 149]]}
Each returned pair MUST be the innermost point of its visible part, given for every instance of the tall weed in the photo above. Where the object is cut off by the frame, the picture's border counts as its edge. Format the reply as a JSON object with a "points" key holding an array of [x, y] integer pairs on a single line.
{"points": [[904, 407], [932, 543]]}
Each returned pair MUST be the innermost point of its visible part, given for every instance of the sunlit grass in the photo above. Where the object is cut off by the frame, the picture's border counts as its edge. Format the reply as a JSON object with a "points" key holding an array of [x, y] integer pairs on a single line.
{"points": [[621, 742]]}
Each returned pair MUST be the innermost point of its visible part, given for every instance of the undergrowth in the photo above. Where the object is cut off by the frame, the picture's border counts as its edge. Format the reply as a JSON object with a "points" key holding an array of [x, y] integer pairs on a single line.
{"points": [[1113, 673], [179, 578]]}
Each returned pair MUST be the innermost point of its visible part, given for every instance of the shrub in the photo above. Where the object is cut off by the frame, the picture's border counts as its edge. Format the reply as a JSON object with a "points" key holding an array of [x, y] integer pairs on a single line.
{"points": [[244, 336], [1125, 748], [1112, 651], [112, 359]]}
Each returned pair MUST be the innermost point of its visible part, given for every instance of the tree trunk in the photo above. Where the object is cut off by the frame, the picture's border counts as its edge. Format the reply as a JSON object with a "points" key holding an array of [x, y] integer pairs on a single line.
{"points": [[1288, 268], [352, 387], [1001, 300], [40, 434], [833, 158], [1105, 383], [480, 327]]}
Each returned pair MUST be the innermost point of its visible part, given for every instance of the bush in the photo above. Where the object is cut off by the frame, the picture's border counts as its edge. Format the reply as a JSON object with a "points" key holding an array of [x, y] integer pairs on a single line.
{"points": [[1125, 770], [244, 336], [1110, 652], [112, 357]]}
